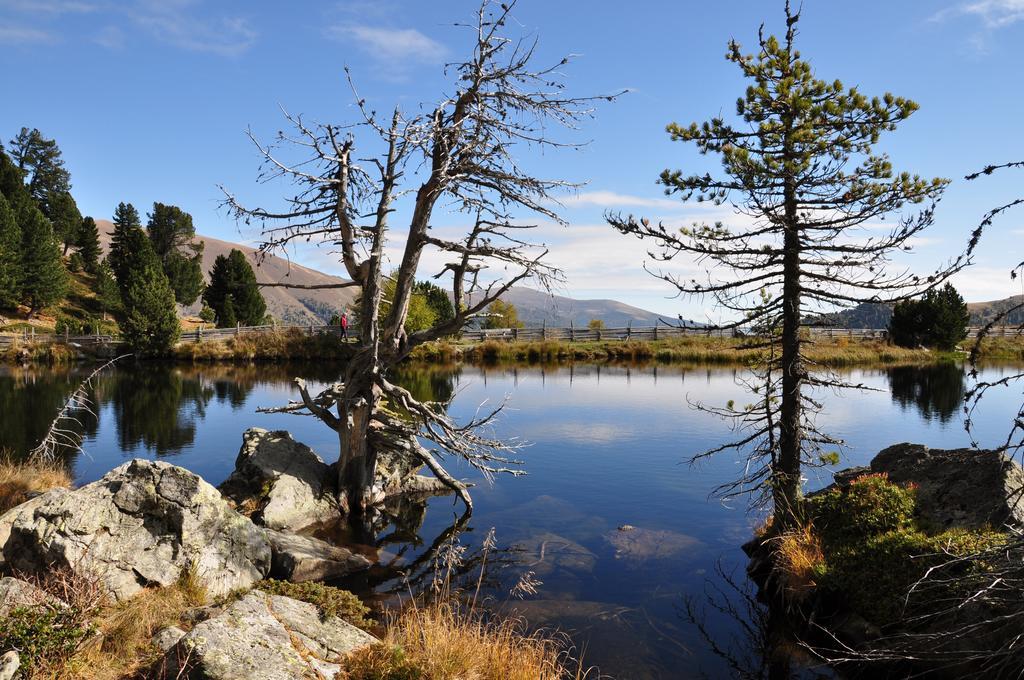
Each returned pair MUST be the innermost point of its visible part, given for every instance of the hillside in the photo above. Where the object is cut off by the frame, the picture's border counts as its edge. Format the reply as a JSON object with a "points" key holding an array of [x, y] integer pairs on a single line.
{"points": [[288, 305], [983, 312], [536, 308]]}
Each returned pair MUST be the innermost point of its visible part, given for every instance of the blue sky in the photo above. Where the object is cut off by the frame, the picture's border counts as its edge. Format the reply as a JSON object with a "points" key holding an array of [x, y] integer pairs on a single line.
{"points": [[149, 100]]}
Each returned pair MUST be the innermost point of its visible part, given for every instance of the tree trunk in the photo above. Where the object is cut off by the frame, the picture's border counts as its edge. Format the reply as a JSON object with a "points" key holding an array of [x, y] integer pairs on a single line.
{"points": [[786, 475], [357, 462]]}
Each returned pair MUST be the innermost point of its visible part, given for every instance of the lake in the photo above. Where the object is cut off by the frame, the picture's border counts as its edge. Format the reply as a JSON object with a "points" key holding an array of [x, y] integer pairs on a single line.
{"points": [[607, 447]]}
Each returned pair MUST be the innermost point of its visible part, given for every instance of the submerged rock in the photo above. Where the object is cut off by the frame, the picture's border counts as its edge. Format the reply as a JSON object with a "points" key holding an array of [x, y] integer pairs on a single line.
{"points": [[141, 525], [545, 552], [966, 488], [304, 558], [281, 483], [636, 545], [268, 637]]}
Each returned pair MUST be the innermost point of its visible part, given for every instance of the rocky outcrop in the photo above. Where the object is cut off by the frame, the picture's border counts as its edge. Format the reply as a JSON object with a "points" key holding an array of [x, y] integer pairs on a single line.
{"points": [[966, 488], [142, 524], [9, 663], [268, 637], [7, 519], [304, 558], [15, 593], [281, 483]]}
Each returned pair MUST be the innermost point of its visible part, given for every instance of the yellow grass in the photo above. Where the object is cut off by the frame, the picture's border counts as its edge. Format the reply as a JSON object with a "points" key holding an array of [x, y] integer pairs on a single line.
{"points": [[21, 479], [281, 344], [442, 640], [798, 560]]}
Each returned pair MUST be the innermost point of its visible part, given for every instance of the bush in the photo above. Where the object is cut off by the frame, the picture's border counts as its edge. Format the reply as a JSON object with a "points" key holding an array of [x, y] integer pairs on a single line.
{"points": [[330, 601], [69, 325], [75, 263], [870, 505], [938, 319], [44, 637], [207, 314]]}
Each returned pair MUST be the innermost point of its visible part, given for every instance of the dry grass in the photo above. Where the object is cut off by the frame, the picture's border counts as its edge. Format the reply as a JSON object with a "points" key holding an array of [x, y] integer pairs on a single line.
{"points": [[20, 480], [443, 640], [799, 559], [283, 344], [37, 352], [122, 646]]}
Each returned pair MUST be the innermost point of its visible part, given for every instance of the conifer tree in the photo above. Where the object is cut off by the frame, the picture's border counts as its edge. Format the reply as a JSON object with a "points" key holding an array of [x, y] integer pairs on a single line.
{"points": [[88, 242], [107, 293], [43, 278], [126, 220], [171, 231], [41, 164], [149, 319], [65, 218], [233, 294], [10, 247], [217, 291], [799, 166]]}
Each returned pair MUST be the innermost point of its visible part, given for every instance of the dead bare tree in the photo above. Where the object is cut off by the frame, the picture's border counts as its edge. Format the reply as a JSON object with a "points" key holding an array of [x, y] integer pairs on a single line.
{"points": [[800, 170], [463, 153]]}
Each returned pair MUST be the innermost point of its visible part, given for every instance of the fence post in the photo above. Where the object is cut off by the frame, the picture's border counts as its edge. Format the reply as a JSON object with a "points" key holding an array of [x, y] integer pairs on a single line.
{"points": [[199, 334], [629, 329], [572, 332], [544, 330], [598, 333], [515, 334], [655, 331]]}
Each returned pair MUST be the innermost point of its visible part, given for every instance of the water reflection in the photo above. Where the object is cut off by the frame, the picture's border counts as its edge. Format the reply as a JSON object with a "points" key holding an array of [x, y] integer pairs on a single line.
{"points": [[936, 391]]}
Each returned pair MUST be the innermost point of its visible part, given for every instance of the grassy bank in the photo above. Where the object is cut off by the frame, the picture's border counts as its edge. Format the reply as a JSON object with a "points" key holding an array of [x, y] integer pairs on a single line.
{"points": [[835, 352], [284, 344]]}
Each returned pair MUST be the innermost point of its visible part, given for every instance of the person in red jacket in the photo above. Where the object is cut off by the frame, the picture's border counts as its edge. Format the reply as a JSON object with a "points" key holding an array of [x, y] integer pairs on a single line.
{"points": [[344, 325]]}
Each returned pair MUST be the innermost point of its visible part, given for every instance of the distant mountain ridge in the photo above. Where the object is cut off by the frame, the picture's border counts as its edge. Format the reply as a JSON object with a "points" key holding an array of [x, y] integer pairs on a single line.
{"points": [[298, 306]]}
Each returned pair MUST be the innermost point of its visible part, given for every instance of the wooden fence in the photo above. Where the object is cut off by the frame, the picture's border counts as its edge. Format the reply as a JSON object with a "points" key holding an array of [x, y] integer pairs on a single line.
{"points": [[570, 334]]}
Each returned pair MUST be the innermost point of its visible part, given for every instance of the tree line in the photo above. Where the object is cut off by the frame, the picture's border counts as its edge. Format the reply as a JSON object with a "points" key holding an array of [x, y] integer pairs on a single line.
{"points": [[44, 240]]}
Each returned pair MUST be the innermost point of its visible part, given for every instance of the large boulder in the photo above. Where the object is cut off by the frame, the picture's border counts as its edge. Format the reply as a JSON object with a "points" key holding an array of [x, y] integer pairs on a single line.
{"points": [[142, 524], [966, 488], [15, 593], [281, 483], [7, 519], [304, 558], [268, 637]]}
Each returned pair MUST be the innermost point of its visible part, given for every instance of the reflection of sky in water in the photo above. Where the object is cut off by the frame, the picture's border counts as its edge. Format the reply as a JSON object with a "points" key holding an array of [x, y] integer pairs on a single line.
{"points": [[607, 447]]}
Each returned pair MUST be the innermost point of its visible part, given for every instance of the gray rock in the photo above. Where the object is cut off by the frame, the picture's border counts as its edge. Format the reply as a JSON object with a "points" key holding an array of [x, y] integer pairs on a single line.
{"points": [[304, 558], [167, 638], [142, 524], [267, 637], [637, 545], [16, 593], [9, 664], [966, 488], [545, 552], [280, 482], [7, 519]]}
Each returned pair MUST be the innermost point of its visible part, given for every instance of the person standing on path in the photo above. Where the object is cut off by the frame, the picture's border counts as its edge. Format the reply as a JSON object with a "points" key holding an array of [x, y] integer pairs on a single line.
{"points": [[344, 325]]}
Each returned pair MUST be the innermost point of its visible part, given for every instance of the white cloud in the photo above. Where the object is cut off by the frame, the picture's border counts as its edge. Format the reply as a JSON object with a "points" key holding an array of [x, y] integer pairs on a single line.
{"points": [[396, 48], [49, 6], [171, 22], [111, 37], [23, 35], [993, 13], [612, 199]]}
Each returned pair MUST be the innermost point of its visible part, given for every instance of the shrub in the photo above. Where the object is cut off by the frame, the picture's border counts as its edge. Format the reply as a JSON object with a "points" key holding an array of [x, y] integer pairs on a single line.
{"points": [[44, 637], [20, 480], [330, 601], [870, 505]]}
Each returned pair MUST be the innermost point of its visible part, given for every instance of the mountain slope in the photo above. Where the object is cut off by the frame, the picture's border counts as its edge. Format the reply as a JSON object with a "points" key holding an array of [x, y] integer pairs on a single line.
{"points": [[536, 308], [288, 305], [983, 312]]}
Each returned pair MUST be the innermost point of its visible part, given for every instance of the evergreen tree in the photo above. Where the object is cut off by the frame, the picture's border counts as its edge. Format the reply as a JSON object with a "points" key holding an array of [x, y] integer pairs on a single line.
{"points": [[437, 299], [126, 220], [65, 218], [938, 319], [43, 280], [12, 183], [248, 302], [501, 314], [233, 293], [171, 231], [41, 164], [149, 320], [107, 293], [88, 242], [10, 247]]}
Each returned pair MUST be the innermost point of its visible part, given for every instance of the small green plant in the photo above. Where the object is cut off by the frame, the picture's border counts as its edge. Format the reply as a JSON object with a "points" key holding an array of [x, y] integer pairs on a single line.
{"points": [[43, 636], [329, 601], [870, 505]]}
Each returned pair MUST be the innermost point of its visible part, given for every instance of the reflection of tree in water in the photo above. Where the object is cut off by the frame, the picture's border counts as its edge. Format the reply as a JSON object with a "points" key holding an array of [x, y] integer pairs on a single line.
{"points": [[30, 399], [428, 382], [936, 391], [155, 406], [760, 648]]}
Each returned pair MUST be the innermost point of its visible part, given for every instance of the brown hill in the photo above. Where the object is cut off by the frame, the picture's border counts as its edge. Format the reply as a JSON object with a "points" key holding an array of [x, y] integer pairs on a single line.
{"points": [[286, 304], [983, 312]]}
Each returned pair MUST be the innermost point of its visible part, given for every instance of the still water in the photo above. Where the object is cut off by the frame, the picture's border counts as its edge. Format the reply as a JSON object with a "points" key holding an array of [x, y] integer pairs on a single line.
{"points": [[607, 447]]}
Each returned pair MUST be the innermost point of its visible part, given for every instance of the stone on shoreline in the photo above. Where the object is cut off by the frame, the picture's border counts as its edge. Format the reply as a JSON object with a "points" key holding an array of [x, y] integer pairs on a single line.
{"points": [[281, 483], [143, 524], [270, 637], [957, 488]]}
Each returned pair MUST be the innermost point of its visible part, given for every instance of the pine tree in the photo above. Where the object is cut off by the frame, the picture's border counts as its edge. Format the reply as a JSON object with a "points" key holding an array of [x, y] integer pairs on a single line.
{"points": [[40, 162], [88, 242], [799, 163], [232, 293], [10, 247], [107, 293], [249, 305], [171, 231], [44, 280], [126, 219], [65, 218], [149, 320]]}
